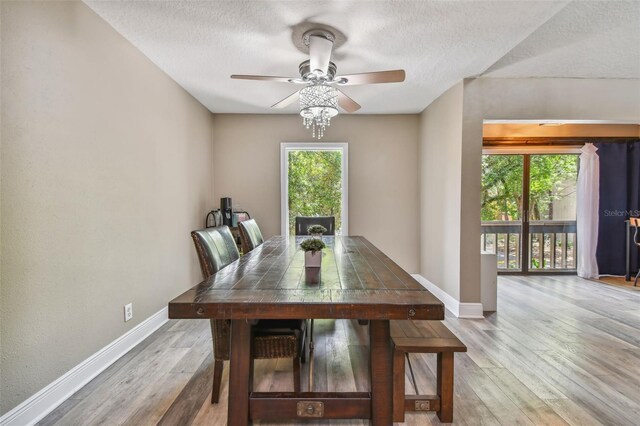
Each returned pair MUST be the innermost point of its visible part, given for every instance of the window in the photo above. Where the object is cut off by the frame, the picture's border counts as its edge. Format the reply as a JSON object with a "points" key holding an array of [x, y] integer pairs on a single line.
{"points": [[314, 180]]}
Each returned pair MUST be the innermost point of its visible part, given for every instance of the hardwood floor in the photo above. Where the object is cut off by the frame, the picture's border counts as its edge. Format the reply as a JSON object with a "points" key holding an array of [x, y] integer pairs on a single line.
{"points": [[561, 350]]}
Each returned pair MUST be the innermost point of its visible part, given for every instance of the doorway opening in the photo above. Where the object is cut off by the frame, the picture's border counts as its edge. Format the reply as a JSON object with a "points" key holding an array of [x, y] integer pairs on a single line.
{"points": [[314, 182], [529, 210]]}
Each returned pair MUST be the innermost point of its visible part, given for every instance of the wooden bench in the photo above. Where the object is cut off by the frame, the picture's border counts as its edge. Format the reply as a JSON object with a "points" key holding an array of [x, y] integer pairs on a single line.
{"points": [[424, 337]]}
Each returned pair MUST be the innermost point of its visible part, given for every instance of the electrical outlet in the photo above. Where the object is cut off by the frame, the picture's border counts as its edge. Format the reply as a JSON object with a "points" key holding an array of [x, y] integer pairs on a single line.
{"points": [[128, 312]]}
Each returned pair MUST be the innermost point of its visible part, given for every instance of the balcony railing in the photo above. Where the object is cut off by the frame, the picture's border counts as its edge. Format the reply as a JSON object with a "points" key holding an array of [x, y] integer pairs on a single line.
{"points": [[552, 244]]}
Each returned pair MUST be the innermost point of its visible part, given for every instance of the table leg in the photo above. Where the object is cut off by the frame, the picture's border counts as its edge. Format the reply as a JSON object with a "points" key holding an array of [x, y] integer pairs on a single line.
{"points": [[239, 373], [445, 386], [381, 373]]}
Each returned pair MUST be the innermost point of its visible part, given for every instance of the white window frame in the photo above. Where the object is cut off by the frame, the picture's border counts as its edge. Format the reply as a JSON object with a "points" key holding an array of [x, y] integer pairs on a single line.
{"points": [[285, 148]]}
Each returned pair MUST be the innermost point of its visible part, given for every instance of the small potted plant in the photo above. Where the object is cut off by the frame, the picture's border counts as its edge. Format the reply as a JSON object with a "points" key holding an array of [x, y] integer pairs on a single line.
{"points": [[312, 252], [316, 230]]}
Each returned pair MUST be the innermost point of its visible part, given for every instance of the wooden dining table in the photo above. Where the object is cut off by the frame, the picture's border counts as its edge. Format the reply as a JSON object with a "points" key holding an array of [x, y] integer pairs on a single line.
{"points": [[356, 281]]}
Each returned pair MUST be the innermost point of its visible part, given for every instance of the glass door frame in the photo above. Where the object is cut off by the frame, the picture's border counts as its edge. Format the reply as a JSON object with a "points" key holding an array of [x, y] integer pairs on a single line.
{"points": [[524, 214], [526, 153]]}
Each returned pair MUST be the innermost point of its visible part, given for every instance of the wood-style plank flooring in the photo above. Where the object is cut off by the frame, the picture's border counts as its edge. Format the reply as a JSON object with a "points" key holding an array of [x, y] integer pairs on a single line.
{"points": [[560, 350]]}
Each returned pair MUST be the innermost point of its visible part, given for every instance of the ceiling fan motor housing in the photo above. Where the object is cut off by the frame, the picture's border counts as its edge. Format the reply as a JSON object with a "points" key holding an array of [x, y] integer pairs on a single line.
{"points": [[319, 32], [306, 74]]}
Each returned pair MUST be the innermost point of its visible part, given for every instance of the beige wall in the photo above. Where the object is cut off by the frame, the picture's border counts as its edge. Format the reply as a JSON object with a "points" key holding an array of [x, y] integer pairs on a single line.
{"points": [[383, 173], [553, 99], [106, 167], [440, 172]]}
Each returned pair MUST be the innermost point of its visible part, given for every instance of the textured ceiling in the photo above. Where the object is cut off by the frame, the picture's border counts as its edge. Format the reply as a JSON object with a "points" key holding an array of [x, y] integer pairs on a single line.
{"points": [[199, 44], [585, 39]]}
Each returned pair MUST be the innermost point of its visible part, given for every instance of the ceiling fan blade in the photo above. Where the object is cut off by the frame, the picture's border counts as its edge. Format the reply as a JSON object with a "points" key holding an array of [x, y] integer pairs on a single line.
{"points": [[287, 101], [263, 77], [393, 76], [346, 103], [319, 53]]}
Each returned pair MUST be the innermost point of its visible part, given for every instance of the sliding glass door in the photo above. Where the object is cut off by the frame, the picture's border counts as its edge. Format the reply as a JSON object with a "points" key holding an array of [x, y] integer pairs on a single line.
{"points": [[543, 186], [502, 199], [552, 212]]}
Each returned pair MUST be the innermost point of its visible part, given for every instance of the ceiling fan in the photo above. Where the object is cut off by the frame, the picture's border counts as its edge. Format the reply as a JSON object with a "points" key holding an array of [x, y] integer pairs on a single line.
{"points": [[320, 97]]}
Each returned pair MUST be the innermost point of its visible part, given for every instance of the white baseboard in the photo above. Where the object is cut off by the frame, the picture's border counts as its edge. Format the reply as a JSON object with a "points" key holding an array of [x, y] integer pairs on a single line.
{"points": [[47, 399], [460, 310], [470, 311]]}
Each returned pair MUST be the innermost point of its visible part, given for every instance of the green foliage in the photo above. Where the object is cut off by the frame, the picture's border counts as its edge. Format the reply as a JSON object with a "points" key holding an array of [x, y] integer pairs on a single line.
{"points": [[551, 177], [312, 244], [501, 187], [316, 229], [315, 185]]}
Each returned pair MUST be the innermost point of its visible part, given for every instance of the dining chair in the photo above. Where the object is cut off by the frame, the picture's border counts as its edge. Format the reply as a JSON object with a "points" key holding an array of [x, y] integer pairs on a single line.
{"points": [[250, 235], [635, 222], [250, 238], [216, 250], [302, 223]]}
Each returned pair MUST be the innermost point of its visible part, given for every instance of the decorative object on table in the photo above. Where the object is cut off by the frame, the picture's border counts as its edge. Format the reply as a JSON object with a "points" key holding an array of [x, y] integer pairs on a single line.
{"points": [[319, 98], [312, 252], [316, 230], [312, 276]]}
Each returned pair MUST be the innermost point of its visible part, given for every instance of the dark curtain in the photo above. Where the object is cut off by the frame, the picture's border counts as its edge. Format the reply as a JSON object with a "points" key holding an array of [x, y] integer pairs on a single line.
{"points": [[619, 199]]}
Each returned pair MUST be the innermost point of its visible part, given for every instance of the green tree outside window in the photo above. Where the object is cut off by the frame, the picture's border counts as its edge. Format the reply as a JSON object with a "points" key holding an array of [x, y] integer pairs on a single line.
{"points": [[315, 185]]}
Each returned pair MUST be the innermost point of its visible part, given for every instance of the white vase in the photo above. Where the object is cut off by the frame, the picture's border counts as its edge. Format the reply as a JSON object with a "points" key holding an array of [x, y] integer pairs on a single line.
{"points": [[312, 259]]}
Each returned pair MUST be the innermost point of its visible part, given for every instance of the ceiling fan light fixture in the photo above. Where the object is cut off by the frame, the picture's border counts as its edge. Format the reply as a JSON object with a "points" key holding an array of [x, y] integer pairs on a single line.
{"points": [[318, 104], [319, 98]]}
